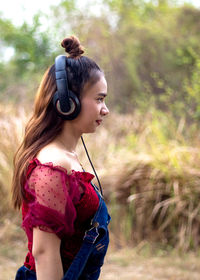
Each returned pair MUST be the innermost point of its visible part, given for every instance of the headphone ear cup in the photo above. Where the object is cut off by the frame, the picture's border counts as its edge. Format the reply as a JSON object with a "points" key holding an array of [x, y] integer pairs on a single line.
{"points": [[75, 106]]}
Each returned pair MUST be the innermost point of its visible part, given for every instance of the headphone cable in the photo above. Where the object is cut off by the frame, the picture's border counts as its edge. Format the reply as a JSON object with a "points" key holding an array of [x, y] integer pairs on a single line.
{"points": [[92, 166]]}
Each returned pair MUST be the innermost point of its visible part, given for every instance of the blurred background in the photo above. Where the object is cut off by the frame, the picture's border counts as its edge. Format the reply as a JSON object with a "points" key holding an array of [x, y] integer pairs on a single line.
{"points": [[148, 152]]}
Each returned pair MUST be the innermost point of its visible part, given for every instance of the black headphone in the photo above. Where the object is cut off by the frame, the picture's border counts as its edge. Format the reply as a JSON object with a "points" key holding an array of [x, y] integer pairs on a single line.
{"points": [[66, 103]]}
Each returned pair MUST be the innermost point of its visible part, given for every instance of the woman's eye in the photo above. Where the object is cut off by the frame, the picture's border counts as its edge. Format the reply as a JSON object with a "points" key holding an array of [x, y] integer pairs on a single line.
{"points": [[100, 99]]}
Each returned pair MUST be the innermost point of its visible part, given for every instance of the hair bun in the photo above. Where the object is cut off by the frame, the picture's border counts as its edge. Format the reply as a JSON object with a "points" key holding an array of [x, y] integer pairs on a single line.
{"points": [[72, 46]]}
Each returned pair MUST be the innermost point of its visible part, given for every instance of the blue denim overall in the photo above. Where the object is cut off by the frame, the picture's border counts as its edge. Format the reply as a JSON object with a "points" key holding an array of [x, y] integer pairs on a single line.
{"points": [[88, 261]]}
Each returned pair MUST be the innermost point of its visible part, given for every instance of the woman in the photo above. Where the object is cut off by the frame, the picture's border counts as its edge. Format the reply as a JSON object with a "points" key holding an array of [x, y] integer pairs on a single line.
{"points": [[57, 197]]}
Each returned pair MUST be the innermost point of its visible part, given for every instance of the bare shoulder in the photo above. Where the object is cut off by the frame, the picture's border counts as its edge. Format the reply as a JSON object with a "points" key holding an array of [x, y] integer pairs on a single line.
{"points": [[51, 153]]}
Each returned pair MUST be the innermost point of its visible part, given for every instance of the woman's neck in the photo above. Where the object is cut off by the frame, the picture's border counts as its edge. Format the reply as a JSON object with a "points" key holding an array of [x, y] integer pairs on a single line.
{"points": [[68, 138]]}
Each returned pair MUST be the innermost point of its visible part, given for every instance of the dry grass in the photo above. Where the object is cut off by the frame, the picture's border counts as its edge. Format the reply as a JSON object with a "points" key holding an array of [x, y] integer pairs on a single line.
{"points": [[12, 122], [142, 262], [158, 207], [130, 264], [12, 247]]}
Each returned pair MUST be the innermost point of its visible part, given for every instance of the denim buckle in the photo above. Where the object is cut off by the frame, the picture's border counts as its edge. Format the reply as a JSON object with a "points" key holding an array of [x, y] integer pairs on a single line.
{"points": [[91, 234], [95, 224]]}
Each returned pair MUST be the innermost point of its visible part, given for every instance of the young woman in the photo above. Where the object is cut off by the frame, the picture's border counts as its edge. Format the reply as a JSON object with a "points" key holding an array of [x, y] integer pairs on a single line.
{"points": [[59, 202]]}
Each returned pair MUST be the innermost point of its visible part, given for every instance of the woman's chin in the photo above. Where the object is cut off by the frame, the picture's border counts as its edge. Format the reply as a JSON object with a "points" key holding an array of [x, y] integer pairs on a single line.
{"points": [[90, 130]]}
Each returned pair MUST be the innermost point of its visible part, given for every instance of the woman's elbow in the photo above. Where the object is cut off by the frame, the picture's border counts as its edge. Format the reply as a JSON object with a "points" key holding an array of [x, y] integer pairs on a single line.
{"points": [[38, 251]]}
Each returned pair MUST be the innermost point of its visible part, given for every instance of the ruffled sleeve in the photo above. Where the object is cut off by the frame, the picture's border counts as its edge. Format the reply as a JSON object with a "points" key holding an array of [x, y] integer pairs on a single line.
{"points": [[52, 195]]}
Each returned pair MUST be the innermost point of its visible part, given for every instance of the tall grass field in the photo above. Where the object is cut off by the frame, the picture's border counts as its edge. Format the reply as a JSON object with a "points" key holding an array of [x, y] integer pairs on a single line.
{"points": [[149, 168]]}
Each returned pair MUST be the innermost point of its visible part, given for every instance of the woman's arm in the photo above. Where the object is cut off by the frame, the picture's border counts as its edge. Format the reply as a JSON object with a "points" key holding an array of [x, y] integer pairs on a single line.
{"points": [[46, 251]]}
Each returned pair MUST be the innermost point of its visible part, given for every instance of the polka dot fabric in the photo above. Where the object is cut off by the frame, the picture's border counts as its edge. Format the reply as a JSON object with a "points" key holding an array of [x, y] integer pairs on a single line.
{"points": [[49, 188], [57, 202]]}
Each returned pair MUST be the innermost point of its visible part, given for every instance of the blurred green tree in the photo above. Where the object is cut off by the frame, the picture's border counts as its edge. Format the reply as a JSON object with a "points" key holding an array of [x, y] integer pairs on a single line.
{"points": [[149, 51]]}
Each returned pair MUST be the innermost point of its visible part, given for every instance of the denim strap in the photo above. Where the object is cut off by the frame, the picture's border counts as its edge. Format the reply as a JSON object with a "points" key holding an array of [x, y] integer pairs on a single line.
{"points": [[89, 239], [82, 256]]}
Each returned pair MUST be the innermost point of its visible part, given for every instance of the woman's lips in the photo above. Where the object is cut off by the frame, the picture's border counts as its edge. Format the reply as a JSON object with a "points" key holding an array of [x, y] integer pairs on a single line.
{"points": [[98, 122]]}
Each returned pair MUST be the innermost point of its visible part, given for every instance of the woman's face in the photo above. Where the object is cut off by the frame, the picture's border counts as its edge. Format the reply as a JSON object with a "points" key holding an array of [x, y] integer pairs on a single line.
{"points": [[93, 107]]}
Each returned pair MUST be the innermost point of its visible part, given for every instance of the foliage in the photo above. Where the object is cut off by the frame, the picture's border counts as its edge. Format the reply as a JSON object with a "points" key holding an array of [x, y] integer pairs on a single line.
{"points": [[32, 47], [32, 53], [149, 51]]}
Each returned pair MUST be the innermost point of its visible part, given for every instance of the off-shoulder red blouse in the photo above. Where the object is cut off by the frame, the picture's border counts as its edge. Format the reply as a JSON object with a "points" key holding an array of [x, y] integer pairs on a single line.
{"points": [[60, 203]]}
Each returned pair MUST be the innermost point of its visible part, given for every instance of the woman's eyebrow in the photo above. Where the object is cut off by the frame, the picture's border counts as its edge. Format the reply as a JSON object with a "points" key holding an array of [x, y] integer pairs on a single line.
{"points": [[102, 94]]}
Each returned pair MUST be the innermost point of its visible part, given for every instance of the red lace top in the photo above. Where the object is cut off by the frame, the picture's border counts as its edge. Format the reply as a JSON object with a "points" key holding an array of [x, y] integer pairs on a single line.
{"points": [[59, 203]]}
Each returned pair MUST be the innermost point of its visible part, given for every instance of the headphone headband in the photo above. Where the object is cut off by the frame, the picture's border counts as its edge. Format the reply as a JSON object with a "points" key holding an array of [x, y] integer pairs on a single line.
{"points": [[62, 83]]}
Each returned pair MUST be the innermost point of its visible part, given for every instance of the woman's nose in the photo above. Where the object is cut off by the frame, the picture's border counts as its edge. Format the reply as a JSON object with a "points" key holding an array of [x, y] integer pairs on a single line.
{"points": [[105, 110]]}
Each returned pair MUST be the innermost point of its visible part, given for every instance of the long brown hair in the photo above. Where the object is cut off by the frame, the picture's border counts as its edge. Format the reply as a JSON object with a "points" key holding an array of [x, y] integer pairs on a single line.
{"points": [[45, 124], [41, 129]]}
